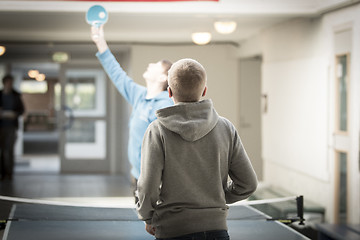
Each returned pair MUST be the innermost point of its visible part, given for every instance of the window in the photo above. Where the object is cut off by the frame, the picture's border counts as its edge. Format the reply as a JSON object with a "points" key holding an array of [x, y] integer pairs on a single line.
{"points": [[342, 93], [342, 188], [32, 87]]}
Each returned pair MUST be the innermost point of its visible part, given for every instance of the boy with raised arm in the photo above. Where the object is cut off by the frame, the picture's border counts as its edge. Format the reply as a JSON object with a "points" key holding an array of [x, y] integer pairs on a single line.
{"points": [[144, 100]]}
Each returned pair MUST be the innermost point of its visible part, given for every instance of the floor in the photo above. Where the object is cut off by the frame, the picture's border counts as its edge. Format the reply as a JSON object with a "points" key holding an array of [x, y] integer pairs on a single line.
{"points": [[38, 177], [40, 142]]}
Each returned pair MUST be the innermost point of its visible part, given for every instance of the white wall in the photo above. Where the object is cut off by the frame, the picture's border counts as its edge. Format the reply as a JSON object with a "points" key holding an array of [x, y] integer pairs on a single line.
{"points": [[297, 75]]}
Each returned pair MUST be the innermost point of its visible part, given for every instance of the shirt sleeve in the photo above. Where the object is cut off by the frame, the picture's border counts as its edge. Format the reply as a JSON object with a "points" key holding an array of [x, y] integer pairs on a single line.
{"points": [[20, 109], [130, 90], [152, 163], [243, 177]]}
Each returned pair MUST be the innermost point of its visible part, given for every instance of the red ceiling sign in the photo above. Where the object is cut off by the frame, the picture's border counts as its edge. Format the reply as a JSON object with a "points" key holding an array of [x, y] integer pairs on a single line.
{"points": [[141, 0]]}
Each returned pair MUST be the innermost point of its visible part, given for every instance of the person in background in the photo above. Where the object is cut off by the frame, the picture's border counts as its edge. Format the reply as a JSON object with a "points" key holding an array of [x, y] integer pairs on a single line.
{"points": [[11, 107], [144, 100], [188, 155]]}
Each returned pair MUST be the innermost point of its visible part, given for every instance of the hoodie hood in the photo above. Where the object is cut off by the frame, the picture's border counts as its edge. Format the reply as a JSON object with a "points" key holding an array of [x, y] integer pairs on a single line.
{"points": [[191, 121]]}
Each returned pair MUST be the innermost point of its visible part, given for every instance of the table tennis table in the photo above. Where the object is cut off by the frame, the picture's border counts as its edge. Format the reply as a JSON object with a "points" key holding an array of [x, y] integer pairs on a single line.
{"points": [[44, 222]]}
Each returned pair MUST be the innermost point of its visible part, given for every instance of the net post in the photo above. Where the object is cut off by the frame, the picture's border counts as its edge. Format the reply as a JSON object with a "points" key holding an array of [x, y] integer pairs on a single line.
{"points": [[300, 209]]}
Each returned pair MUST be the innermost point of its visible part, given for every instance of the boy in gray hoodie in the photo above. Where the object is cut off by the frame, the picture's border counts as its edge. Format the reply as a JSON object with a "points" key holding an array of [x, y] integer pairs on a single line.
{"points": [[193, 163]]}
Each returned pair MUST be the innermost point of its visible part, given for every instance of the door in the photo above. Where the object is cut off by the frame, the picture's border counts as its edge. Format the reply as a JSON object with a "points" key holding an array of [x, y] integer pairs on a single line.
{"points": [[250, 110], [341, 138], [83, 133], [345, 131]]}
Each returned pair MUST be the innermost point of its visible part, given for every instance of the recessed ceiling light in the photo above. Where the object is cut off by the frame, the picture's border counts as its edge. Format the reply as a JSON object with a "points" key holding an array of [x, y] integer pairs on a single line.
{"points": [[225, 27], [33, 73], [40, 77], [201, 38], [2, 50]]}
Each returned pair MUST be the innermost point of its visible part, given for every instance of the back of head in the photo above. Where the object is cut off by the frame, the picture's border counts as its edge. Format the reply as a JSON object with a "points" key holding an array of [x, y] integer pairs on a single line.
{"points": [[187, 80], [7, 78], [166, 66]]}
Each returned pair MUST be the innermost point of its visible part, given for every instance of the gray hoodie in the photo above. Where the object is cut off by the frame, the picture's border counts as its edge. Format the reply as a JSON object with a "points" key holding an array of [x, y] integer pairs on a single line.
{"points": [[188, 155]]}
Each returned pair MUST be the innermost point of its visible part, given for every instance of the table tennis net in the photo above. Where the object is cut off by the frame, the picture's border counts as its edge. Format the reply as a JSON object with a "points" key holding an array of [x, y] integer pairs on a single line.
{"points": [[286, 210]]}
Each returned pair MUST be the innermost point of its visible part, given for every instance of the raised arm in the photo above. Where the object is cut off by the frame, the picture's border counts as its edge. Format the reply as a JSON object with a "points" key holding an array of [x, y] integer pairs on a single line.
{"points": [[125, 85], [97, 35]]}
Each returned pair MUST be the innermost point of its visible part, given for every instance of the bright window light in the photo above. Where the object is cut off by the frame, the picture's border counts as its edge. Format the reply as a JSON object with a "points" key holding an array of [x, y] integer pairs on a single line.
{"points": [[32, 86]]}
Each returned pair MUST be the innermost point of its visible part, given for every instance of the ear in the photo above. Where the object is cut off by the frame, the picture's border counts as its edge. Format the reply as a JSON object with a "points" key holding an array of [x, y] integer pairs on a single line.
{"points": [[170, 92], [204, 92]]}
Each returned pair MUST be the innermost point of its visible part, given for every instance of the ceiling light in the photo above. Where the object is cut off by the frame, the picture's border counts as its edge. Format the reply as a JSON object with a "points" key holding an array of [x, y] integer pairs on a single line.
{"points": [[60, 57], [225, 27], [33, 73], [2, 50], [40, 77], [201, 38]]}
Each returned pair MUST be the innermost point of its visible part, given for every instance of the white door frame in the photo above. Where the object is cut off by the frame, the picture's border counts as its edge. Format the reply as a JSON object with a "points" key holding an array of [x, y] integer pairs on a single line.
{"points": [[346, 141], [84, 157]]}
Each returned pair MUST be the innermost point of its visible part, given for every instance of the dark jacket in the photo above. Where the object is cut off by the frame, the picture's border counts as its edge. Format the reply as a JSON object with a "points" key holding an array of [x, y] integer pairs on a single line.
{"points": [[18, 107]]}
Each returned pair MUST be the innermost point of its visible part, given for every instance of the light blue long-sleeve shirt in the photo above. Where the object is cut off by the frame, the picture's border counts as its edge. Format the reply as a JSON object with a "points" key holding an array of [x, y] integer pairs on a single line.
{"points": [[143, 112]]}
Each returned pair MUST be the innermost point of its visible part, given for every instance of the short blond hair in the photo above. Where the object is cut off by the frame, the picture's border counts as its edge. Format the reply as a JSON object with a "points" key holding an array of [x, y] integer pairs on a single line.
{"points": [[187, 80]]}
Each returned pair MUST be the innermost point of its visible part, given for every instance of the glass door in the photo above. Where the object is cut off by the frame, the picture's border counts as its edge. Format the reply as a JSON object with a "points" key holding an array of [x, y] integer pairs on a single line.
{"points": [[83, 134], [344, 151], [341, 138]]}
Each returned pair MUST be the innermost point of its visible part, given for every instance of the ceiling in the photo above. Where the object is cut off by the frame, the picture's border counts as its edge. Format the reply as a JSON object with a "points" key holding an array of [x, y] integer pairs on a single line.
{"points": [[64, 21], [34, 28]]}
